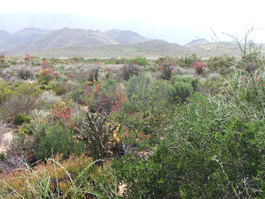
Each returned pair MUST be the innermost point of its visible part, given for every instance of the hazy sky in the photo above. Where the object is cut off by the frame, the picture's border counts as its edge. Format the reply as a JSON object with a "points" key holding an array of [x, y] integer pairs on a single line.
{"points": [[221, 15]]}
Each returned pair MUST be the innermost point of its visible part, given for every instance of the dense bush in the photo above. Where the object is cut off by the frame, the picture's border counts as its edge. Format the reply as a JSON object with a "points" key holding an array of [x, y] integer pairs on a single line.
{"points": [[175, 137], [192, 81], [6, 90], [187, 61], [108, 90], [98, 134], [25, 73], [20, 119], [201, 156], [47, 73], [137, 89], [221, 64], [141, 61], [52, 139], [199, 67], [166, 71], [212, 148], [129, 70], [3, 61], [181, 88], [180, 91], [20, 99]]}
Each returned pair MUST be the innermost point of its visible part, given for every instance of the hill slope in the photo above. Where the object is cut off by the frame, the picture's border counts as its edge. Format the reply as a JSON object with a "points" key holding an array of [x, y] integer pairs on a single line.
{"points": [[4, 40], [9, 40], [63, 38], [150, 49], [197, 42], [125, 37]]}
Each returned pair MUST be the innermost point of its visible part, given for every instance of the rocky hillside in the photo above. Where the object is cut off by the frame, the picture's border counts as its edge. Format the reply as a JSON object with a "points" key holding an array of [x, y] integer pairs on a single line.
{"points": [[125, 37]]}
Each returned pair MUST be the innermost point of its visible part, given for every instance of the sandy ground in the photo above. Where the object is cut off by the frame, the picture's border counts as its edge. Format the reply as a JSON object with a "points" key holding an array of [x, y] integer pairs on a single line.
{"points": [[6, 136], [5, 141]]}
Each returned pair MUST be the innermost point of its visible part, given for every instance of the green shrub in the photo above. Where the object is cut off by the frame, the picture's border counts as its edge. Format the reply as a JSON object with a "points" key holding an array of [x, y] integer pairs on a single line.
{"points": [[21, 100], [189, 80], [141, 61], [108, 90], [2, 157], [59, 87], [3, 62], [161, 91], [221, 64], [167, 59], [181, 88], [180, 91], [6, 90], [78, 59], [137, 89], [207, 152], [25, 129], [52, 139], [211, 147], [186, 62], [12, 61], [20, 119]]}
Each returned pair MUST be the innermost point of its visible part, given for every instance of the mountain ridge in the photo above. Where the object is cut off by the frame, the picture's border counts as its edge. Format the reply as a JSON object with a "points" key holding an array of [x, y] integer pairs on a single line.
{"points": [[36, 39]]}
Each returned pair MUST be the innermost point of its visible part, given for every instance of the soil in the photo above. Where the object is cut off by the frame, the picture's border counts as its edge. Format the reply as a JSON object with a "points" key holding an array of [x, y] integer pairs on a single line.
{"points": [[5, 141]]}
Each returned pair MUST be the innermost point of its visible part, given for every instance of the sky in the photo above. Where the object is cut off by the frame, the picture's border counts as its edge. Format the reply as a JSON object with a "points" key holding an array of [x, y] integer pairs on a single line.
{"points": [[193, 18]]}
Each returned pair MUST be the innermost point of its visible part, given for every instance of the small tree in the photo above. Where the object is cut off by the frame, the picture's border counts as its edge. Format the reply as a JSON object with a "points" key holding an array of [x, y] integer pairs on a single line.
{"points": [[250, 52]]}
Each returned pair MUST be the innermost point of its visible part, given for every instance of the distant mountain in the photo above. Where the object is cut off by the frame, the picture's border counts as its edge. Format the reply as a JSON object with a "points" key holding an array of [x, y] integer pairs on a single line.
{"points": [[208, 49], [9, 40], [150, 49], [13, 22], [126, 37], [4, 40], [31, 33], [63, 38], [197, 42], [67, 42]]}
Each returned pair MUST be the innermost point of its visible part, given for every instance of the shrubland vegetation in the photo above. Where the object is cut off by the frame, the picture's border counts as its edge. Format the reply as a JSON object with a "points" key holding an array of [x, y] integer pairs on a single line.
{"points": [[117, 128]]}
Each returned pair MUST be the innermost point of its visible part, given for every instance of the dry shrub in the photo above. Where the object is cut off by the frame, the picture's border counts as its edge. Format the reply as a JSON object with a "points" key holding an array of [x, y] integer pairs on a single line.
{"points": [[21, 99], [20, 104], [129, 70], [49, 180]]}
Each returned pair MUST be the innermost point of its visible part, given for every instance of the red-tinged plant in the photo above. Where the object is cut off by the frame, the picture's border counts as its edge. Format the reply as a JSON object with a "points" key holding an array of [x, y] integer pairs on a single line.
{"points": [[120, 99], [64, 112], [44, 64], [199, 67], [47, 73], [93, 94], [28, 57], [97, 130]]}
